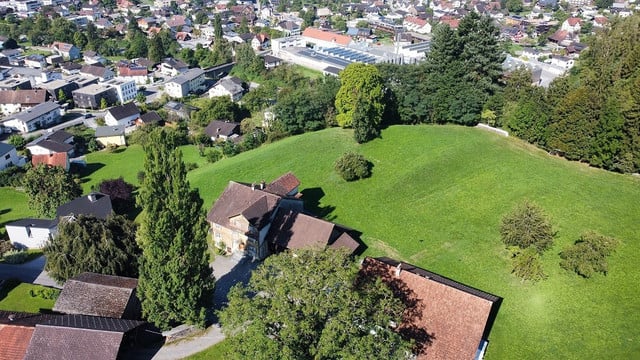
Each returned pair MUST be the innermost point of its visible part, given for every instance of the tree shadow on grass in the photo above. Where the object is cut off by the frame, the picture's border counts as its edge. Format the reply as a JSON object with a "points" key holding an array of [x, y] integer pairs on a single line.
{"points": [[311, 198], [85, 171]]}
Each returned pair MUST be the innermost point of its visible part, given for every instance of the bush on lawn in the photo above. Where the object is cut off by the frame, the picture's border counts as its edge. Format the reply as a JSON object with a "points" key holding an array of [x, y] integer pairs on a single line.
{"points": [[352, 166], [15, 256]]}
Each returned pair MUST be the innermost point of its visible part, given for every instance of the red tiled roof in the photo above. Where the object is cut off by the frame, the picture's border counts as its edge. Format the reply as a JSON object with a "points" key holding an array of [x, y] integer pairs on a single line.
{"points": [[415, 20], [284, 184], [453, 23], [24, 97], [601, 20], [447, 319], [14, 341], [559, 35], [58, 159], [318, 34], [573, 21], [132, 70]]}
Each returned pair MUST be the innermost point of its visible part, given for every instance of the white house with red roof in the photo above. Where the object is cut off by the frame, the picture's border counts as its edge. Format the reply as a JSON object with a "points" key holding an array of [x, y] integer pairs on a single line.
{"points": [[572, 25], [416, 24]]}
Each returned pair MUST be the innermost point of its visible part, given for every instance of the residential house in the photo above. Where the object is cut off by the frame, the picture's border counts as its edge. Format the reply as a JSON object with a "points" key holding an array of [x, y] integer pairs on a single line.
{"points": [[70, 68], [271, 62], [257, 219], [111, 135], [191, 81], [60, 159], [324, 38], [572, 25], [124, 115], [31, 233], [446, 319], [177, 110], [15, 83], [90, 97], [126, 90], [230, 86], [131, 71], [18, 100], [13, 56], [149, 118], [57, 142], [562, 61], [296, 230], [94, 204], [219, 130], [92, 57], [416, 24], [56, 88], [8, 156], [35, 61], [289, 28], [172, 67], [37, 117], [260, 42], [98, 70], [100, 295], [67, 51], [241, 217]]}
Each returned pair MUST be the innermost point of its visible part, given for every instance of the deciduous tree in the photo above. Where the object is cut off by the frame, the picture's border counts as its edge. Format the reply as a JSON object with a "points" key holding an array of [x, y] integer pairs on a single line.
{"points": [[87, 243], [308, 305], [527, 226], [176, 282], [49, 187], [588, 255], [360, 84]]}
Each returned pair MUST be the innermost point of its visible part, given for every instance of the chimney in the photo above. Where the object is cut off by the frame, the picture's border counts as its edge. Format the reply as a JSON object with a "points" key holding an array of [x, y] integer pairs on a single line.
{"points": [[262, 185], [398, 269], [92, 197]]}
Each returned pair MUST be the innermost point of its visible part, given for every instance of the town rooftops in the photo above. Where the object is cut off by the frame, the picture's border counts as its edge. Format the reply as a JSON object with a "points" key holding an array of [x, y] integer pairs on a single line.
{"points": [[25, 97], [99, 295], [93, 89], [14, 341], [151, 117], [56, 159], [124, 111], [284, 185], [106, 131], [94, 70], [447, 319], [96, 204], [35, 112]]}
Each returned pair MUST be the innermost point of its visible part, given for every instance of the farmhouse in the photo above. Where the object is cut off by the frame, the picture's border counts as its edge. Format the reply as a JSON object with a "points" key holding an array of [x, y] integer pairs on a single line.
{"points": [[257, 219], [447, 319]]}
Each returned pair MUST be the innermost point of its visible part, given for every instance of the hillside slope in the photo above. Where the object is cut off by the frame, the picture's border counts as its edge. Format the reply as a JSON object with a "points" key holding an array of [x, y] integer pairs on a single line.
{"points": [[436, 198]]}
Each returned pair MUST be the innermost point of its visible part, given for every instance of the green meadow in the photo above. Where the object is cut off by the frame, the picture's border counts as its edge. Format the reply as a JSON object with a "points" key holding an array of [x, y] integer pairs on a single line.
{"points": [[435, 199]]}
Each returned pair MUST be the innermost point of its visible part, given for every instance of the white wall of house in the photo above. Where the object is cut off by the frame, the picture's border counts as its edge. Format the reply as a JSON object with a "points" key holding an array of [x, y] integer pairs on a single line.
{"points": [[8, 109], [126, 90], [8, 159], [220, 91], [29, 237], [39, 150], [176, 90], [111, 121]]}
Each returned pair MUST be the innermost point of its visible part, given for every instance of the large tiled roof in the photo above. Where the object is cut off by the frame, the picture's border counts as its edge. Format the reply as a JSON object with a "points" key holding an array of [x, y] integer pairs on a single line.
{"points": [[24, 97], [54, 146], [56, 343], [237, 198], [187, 76], [57, 159], [98, 295], [295, 230], [448, 320], [96, 204], [36, 111], [14, 341], [94, 70], [329, 36]]}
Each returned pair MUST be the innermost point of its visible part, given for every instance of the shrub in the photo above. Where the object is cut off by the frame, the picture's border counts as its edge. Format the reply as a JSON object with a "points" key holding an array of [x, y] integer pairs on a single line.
{"points": [[352, 166], [190, 166], [11, 176], [15, 257], [588, 255], [5, 245], [44, 293], [527, 265], [213, 155], [525, 226]]}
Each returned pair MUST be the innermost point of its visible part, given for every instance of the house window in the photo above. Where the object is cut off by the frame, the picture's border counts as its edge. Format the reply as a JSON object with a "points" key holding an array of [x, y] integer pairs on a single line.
{"points": [[217, 226], [6, 157], [217, 236]]}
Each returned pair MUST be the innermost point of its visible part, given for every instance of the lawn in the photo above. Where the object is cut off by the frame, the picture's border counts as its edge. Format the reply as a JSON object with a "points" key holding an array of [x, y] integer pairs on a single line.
{"points": [[218, 351], [435, 199], [13, 206], [20, 298]]}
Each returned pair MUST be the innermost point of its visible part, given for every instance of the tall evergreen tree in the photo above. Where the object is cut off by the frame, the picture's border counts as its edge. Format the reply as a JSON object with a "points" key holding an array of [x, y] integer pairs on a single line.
{"points": [[176, 281]]}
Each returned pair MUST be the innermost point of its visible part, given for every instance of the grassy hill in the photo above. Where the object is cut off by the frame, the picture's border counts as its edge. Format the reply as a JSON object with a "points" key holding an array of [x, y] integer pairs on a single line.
{"points": [[436, 198]]}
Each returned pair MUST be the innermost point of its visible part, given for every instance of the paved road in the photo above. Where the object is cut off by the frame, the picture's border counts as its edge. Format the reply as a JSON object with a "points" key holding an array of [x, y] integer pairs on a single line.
{"points": [[31, 272], [228, 272]]}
